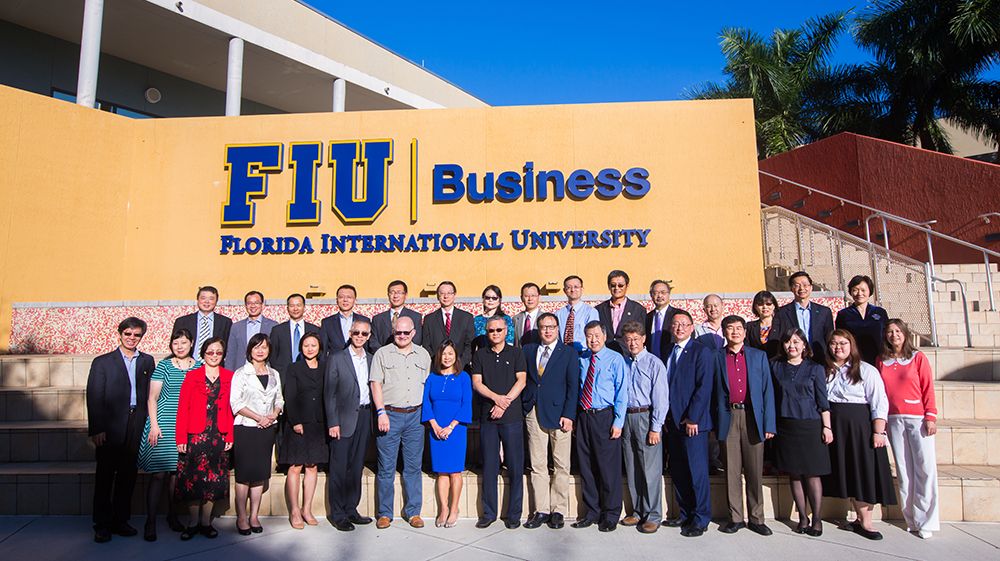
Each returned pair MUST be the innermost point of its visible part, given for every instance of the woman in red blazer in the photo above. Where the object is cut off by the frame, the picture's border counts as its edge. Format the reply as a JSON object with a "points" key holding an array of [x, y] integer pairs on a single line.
{"points": [[204, 436]]}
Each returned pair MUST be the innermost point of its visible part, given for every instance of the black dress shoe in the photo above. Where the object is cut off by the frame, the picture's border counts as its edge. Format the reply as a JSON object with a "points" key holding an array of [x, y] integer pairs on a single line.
{"points": [[732, 527], [868, 534], [102, 535], [556, 520], [485, 522], [607, 526], [358, 519], [536, 520], [716, 470], [583, 523], [149, 532], [512, 523], [209, 532], [692, 532], [256, 529], [343, 525], [802, 528], [124, 530], [675, 522], [760, 529], [814, 532], [190, 532], [243, 531], [174, 523]]}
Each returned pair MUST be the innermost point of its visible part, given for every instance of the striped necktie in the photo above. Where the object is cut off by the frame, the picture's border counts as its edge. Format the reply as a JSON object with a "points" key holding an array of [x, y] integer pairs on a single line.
{"points": [[296, 337], [542, 362], [568, 335], [587, 398], [204, 332]]}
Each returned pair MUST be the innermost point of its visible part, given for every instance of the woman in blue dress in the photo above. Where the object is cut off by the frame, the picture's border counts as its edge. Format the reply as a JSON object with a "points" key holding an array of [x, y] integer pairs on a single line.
{"points": [[447, 408], [492, 298]]}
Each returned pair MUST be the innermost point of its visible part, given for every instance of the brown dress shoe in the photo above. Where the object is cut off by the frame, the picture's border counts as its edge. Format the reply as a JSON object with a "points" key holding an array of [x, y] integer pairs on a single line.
{"points": [[649, 527], [383, 522], [416, 522], [630, 521]]}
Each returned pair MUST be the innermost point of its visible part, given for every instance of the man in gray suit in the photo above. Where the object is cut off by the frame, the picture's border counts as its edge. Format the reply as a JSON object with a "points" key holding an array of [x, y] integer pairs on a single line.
{"points": [[349, 424], [243, 330], [384, 324], [526, 322]]}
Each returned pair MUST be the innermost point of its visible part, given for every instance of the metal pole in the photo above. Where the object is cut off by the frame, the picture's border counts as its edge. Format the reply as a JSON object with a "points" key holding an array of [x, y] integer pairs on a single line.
{"points": [[90, 53], [930, 254], [798, 240], [930, 305], [840, 262], [763, 235], [234, 77], [339, 95], [989, 281], [885, 234]]}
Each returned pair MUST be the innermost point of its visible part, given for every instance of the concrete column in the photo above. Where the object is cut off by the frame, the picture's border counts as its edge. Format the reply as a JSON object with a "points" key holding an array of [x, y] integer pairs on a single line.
{"points": [[339, 95], [234, 77], [90, 53]]}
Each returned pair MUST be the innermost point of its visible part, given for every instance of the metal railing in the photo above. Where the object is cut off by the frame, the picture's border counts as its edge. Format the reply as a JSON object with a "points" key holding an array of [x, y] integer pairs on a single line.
{"points": [[919, 226]]}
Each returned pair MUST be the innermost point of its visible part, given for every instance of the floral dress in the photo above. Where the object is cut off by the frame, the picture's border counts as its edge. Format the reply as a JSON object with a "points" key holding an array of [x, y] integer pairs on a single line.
{"points": [[203, 473]]}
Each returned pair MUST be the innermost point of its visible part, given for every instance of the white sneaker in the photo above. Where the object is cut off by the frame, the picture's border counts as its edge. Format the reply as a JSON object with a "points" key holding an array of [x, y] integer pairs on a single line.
{"points": [[924, 535]]}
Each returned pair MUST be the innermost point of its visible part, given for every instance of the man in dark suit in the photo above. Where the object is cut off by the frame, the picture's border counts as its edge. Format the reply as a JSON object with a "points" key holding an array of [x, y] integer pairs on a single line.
{"points": [[658, 319], [205, 323], [815, 320], [449, 322], [549, 401], [617, 310], [335, 330], [384, 324], [744, 419], [689, 373], [117, 390], [349, 424], [286, 335], [526, 321], [243, 330]]}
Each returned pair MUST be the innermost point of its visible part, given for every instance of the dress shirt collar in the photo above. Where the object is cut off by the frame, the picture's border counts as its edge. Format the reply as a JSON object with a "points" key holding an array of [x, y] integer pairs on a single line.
{"points": [[683, 344], [202, 314], [127, 358], [742, 350], [448, 310], [253, 321], [299, 322], [799, 306], [640, 355]]}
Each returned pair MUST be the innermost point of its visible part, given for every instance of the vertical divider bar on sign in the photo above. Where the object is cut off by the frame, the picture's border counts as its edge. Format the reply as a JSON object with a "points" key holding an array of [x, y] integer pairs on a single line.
{"points": [[413, 181]]}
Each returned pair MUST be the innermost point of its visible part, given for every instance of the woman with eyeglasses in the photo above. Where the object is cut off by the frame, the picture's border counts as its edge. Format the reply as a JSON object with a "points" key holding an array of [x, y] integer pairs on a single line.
{"points": [[257, 402], [204, 436], [492, 298], [447, 409], [859, 462], [303, 441]]}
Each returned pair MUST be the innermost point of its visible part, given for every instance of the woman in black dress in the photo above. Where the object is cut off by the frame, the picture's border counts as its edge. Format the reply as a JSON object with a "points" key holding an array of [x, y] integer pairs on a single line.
{"points": [[764, 333], [800, 446], [204, 435], [303, 441]]}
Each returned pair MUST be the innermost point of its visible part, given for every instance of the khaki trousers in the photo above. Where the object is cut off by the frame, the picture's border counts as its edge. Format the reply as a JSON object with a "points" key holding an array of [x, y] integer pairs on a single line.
{"points": [[549, 494], [745, 457]]}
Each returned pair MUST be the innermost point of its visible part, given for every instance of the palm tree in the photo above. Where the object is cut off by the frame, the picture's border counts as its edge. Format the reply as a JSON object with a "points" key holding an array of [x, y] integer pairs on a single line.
{"points": [[776, 74], [929, 58]]}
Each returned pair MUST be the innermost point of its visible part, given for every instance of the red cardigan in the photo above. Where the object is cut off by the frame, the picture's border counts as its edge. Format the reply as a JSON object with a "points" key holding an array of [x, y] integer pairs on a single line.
{"points": [[193, 402]]}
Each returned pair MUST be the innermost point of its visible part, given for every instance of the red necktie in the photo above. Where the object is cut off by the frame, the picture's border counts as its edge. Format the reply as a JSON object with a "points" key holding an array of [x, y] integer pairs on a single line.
{"points": [[568, 335], [447, 324], [587, 399], [527, 323]]}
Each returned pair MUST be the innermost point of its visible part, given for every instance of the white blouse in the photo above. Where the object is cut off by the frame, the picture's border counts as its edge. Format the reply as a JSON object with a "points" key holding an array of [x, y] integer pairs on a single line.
{"points": [[870, 391], [247, 392]]}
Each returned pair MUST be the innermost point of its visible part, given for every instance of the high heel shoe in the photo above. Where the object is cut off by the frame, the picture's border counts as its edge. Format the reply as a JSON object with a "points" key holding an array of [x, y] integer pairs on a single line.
{"points": [[242, 531], [814, 531], [149, 531], [803, 527], [452, 520]]}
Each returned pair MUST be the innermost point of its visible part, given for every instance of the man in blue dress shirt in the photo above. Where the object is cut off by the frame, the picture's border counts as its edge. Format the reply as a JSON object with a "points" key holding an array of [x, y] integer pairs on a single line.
{"points": [[575, 315], [603, 403], [648, 402]]}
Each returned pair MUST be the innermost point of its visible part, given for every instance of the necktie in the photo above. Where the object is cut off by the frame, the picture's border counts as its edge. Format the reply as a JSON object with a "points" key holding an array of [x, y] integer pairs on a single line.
{"points": [[673, 358], [447, 324], [204, 332], [568, 335], [527, 324], [587, 397], [657, 328], [296, 337], [543, 361], [395, 316]]}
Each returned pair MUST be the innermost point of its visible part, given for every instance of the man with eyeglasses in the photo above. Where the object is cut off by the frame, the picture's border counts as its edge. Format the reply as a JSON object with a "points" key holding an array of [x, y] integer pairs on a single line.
{"points": [[815, 320], [397, 377], [117, 390], [526, 321], [286, 335], [659, 339], [575, 315], [349, 424], [335, 329], [243, 330], [549, 400], [383, 324], [206, 322], [498, 372], [449, 322], [617, 310]]}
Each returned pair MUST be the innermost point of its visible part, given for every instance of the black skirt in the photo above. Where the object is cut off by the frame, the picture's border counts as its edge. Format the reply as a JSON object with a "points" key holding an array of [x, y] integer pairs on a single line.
{"points": [[308, 448], [253, 449], [858, 469], [799, 448]]}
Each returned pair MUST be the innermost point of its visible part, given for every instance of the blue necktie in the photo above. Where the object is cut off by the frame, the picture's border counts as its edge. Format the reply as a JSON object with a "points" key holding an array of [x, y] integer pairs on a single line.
{"points": [[673, 358], [295, 343]]}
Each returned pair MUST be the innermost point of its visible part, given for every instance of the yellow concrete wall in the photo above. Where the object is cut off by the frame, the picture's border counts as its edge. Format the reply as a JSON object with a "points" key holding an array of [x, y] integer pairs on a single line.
{"points": [[97, 207]]}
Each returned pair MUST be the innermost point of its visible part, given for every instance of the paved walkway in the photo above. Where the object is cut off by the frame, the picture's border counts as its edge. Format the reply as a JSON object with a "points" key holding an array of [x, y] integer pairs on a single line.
{"points": [[32, 538]]}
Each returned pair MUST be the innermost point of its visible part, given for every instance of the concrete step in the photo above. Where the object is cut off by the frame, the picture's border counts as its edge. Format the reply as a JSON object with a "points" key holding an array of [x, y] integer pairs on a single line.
{"points": [[979, 401], [972, 443], [45, 441], [969, 493], [38, 371], [962, 364], [43, 404]]}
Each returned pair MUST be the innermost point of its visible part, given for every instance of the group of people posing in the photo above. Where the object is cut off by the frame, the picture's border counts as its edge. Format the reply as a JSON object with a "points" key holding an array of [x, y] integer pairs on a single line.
{"points": [[818, 400]]}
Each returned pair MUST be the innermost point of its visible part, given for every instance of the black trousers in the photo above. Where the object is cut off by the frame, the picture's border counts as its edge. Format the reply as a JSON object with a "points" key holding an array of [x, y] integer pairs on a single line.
{"points": [[600, 460], [512, 436], [347, 461], [114, 479]]}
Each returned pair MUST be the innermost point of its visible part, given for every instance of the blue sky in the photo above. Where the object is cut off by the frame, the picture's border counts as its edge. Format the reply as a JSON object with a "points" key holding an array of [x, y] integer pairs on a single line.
{"points": [[541, 52]]}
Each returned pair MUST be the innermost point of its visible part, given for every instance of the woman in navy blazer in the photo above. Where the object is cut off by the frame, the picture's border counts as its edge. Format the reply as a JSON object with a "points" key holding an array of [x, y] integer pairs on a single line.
{"points": [[864, 320]]}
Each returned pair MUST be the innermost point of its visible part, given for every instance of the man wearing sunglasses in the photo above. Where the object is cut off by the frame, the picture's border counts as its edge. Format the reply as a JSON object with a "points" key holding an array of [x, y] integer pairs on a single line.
{"points": [[498, 374], [617, 310], [397, 377]]}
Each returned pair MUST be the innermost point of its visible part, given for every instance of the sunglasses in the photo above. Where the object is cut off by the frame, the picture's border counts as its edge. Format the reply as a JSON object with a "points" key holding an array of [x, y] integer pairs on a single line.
{"points": [[362, 333], [496, 330], [402, 333], [213, 353], [613, 285]]}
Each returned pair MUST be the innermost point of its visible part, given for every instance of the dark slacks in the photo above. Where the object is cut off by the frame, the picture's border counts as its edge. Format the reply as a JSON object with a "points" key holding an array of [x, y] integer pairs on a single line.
{"points": [[114, 479], [600, 465], [347, 461], [689, 471], [512, 437]]}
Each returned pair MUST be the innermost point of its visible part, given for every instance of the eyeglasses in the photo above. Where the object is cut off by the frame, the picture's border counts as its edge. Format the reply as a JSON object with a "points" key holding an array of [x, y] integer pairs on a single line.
{"points": [[496, 330], [213, 353], [362, 333], [491, 297], [547, 327], [402, 333], [616, 285], [840, 344]]}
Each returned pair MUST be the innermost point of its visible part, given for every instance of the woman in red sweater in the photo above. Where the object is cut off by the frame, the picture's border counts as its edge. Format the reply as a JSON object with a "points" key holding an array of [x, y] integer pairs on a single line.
{"points": [[912, 423], [204, 436]]}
